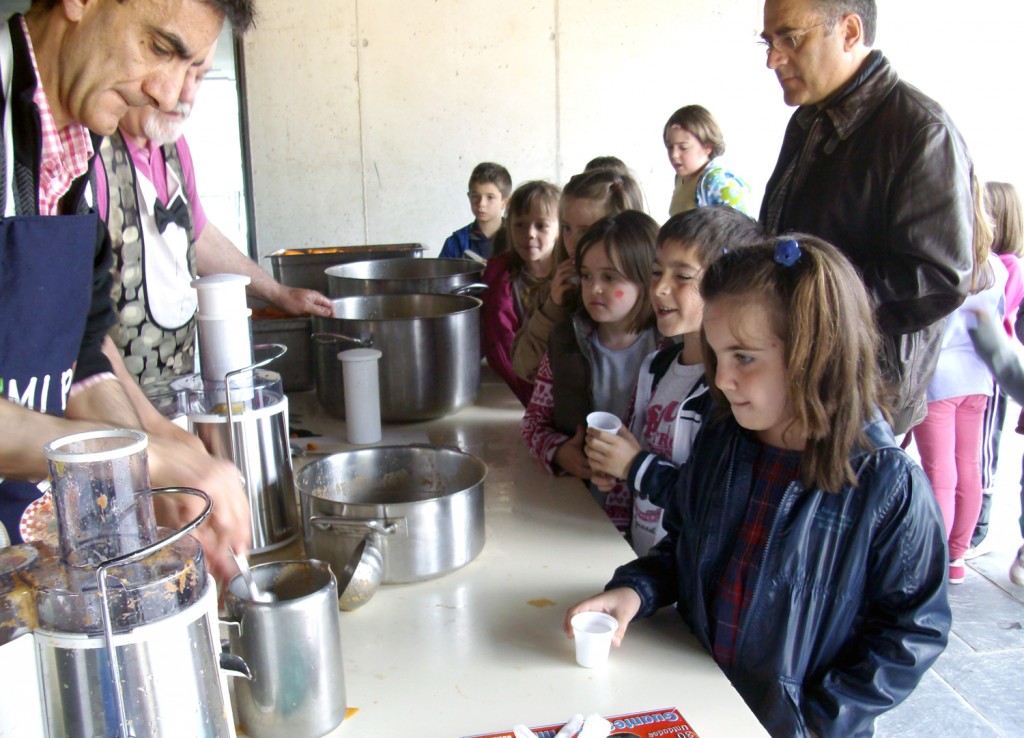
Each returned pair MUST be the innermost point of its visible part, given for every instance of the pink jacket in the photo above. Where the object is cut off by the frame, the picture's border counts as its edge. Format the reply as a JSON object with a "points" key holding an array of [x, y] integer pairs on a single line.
{"points": [[500, 323], [1014, 290]]}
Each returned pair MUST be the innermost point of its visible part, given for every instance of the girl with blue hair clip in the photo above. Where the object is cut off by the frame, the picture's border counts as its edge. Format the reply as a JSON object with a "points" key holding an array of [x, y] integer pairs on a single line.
{"points": [[804, 547]]}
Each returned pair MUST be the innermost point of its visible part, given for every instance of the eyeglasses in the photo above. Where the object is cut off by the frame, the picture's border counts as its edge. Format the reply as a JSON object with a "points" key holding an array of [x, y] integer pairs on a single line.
{"points": [[787, 42]]}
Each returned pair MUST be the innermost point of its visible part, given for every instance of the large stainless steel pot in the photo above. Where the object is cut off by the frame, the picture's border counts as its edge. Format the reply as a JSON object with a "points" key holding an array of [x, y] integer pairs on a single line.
{"points": [[422, 505], [430, 365], [305, 267], [404, 277]]}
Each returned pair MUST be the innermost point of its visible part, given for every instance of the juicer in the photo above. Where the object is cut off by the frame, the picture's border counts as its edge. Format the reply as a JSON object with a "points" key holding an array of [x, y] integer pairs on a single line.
{"points": [[114, 631], [240, 411]]}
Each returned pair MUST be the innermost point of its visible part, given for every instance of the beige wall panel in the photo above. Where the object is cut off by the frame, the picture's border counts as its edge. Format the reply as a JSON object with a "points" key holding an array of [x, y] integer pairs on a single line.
{"points": [[445, 85], [625, 67], [367, 116], [966, 56], [304, 125]]}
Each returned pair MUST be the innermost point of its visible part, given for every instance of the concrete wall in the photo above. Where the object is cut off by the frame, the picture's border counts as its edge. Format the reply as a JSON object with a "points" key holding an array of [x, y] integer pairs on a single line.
{"points": [[368, 115]]}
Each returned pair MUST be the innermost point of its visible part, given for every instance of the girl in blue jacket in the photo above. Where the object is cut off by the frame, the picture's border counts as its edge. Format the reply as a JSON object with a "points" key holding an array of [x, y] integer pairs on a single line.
{"points": [[804, 548]]}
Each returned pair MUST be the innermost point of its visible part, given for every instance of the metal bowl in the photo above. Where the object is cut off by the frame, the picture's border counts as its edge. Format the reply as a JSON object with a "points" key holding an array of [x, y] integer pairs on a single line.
{"points": [[360, 579], [423, 506]]}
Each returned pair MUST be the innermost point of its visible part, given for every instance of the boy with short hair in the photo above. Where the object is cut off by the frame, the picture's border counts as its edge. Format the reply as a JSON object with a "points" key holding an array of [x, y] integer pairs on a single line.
{"points": [[489, 189]]}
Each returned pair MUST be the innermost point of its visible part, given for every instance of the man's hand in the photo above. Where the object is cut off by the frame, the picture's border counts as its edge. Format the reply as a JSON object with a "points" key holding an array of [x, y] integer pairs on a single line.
{"points": [[298, 301], [215, 254], [173, 464]]}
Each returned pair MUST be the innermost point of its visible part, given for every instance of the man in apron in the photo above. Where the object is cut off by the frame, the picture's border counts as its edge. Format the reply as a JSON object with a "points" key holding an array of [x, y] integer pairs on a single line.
{"points": [[67, 67], [146, 192]]}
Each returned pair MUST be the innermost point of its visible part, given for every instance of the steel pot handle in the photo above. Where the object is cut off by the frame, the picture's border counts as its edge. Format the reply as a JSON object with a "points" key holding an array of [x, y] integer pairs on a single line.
{"points": [[326, 338], [469, 289], [395, 526]]}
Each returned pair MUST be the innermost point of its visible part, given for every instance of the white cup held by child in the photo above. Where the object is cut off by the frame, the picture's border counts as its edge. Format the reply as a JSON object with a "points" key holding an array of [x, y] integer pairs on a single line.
{"points": [[603, 421], [593, 632]]}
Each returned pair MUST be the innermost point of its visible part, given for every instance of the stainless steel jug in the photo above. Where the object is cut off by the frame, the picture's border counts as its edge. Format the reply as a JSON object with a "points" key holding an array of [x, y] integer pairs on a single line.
{"points": [[292, 647]]}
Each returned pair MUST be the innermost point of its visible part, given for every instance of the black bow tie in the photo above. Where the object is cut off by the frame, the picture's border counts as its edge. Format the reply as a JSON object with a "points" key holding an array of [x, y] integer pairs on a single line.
{"points": [[176, 213]]}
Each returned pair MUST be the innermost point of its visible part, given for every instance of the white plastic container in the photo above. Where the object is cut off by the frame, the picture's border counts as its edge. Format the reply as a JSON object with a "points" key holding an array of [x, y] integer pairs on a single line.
{"points": [[221, 295], [361, 376], [225, 345], [225, 340]]}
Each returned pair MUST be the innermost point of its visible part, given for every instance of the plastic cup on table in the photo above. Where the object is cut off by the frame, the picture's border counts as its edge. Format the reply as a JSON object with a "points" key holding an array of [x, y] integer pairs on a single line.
{"points": [[603, 421], [593, 633]]}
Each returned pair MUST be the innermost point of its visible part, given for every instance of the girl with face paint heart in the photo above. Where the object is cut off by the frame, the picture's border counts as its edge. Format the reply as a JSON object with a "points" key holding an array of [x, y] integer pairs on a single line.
{"points": [[594, 357]]}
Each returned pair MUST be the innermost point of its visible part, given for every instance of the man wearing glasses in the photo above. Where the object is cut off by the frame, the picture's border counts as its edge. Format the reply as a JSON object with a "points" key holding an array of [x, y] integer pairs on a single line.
{"points": [[878, 169]]}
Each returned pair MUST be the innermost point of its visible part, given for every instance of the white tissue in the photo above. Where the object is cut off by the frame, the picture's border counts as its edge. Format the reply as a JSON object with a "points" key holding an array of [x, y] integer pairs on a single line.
{"points": [[571, 728], [595, 726]]}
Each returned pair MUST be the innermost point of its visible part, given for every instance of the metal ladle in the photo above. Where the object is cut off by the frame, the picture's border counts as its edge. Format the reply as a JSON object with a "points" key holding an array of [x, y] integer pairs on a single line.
{"points": [[254, 592]]}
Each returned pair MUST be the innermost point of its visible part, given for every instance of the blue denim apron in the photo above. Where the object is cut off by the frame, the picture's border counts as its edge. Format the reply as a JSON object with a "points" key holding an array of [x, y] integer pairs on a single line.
{"points": [[46, 273]]}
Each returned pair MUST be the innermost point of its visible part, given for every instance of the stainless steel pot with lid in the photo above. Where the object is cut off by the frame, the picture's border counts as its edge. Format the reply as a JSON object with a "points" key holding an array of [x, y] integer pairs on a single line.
{"points": [[423, 506]]}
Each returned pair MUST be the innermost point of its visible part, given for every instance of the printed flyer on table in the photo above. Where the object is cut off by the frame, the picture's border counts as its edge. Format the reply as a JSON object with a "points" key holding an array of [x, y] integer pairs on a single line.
{"points": [[650, 724]]}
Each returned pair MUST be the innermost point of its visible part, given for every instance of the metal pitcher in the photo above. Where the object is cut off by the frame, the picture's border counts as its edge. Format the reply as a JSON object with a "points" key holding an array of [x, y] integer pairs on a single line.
{"points": [[292, 646]]}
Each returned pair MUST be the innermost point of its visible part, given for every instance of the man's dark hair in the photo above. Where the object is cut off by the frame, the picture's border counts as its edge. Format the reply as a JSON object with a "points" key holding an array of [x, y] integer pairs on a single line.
{"points": [[490, 173], [866, 9], [241, 14]]}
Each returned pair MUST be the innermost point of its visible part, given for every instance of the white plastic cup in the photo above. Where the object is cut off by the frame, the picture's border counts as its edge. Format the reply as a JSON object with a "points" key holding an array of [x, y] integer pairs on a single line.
{"points": [[221, 295], [361, 378], [593, 632], [603, 421]]}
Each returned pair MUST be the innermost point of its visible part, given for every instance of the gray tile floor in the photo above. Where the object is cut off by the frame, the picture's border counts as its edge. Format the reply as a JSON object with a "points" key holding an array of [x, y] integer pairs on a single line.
{"points": [[976, 688]]}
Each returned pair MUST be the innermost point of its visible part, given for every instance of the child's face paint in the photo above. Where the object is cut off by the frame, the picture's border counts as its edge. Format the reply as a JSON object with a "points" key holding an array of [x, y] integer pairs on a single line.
{"points": [[607, 295]]}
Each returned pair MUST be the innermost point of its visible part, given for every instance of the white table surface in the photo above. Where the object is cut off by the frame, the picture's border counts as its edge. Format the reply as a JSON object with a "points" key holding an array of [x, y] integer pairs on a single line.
{"points": [[482, 649]]}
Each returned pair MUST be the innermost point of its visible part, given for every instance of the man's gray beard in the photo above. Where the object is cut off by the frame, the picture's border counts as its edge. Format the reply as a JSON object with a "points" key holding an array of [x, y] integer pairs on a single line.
{"points": [[161, 129]]}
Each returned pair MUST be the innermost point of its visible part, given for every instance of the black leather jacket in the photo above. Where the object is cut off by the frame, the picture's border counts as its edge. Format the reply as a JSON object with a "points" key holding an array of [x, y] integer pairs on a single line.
{"points": [[882, 173], [850, 606]]}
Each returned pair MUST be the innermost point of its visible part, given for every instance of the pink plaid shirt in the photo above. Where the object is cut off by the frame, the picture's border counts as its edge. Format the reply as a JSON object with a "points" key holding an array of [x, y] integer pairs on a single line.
{"points": [[66, 153]]}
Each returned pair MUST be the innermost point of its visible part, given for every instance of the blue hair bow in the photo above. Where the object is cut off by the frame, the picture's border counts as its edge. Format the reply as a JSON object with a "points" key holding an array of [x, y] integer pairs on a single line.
{"points": [[787, 253]]}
